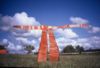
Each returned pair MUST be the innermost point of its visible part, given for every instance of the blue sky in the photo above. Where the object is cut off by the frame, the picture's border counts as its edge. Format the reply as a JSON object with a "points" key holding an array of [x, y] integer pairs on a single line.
{"points": [[53, 12], [50, 12]]}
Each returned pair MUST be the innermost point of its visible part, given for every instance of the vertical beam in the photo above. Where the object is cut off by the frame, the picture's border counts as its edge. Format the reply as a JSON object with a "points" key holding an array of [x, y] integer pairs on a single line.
{"points": [[54, 51], [42, 53]]}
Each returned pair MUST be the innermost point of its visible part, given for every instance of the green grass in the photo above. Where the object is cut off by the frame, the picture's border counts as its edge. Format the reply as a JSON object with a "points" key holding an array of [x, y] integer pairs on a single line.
{"points": [[66, 61]]}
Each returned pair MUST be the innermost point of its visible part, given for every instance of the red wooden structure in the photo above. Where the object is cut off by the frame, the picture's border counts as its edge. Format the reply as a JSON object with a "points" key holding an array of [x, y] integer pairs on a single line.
{"points": [[54, 51], [3, 51]]}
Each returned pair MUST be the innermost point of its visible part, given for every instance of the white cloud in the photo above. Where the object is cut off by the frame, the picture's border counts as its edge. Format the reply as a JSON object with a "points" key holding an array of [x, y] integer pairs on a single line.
{"points": [[32, 33], [95, 40], [12, 48], [24, 19], [94, 29], [87, 43], [5, 41], [18, 19], [78, 20], [21, 36], [68, 33], [63, 42], [90, 42], [5, 28], [18, 48], [82, 40], [66, 36], [25, 41], [35, 33]]}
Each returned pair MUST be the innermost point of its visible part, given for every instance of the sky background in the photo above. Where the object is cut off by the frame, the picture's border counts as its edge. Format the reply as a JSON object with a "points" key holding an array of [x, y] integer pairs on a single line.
{"points": [[49, 12]]}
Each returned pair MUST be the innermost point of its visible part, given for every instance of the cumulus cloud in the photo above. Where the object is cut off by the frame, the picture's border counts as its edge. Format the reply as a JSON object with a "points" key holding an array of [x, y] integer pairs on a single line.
{"points": [[95, 42], [18, 19], [82, 40], [25, 41], [19, 48], [78, 20], [12, 48], [5, 41], [94, 29], [22, 37], [24, 19], [68, 33], [87, 43], [90, 42], [32, 33], [63, 42], [64, 37]]}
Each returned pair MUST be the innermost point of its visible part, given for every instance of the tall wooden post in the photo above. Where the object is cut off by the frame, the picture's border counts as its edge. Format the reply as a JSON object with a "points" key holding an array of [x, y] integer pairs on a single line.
{"points": [[54, 51], [42, 53]]}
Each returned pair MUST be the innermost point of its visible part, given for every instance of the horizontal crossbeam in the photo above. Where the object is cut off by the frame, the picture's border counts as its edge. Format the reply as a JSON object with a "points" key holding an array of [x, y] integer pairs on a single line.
{"points": [[43, 27]]}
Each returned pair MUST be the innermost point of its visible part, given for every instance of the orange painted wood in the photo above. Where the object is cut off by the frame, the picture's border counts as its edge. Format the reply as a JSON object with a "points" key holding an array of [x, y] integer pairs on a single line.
{"points": [[42, 53], [54, 51], [3, 52], [44, 27]]}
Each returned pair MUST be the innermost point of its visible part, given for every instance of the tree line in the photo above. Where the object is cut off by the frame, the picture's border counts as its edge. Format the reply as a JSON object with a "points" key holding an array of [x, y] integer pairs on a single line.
{"points": [[71, 49], [67, 49]]}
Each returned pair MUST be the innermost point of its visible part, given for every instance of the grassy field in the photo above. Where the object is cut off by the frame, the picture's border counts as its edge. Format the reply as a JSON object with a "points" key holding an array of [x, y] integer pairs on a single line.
{"points": [[66, 61]]}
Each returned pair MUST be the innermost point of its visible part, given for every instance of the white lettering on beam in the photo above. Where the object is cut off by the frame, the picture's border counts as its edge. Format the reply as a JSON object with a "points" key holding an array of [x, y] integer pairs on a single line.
{"points": [[74, 25]]}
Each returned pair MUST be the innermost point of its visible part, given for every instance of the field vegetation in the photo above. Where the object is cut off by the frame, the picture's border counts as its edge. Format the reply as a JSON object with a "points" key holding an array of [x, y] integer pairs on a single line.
{"points": [[66, 61]]}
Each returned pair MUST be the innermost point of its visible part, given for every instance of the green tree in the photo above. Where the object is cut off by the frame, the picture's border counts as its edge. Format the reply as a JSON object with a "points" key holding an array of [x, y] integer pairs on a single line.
{"points": [[79, 49], [29, 48], [68, 49]]}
